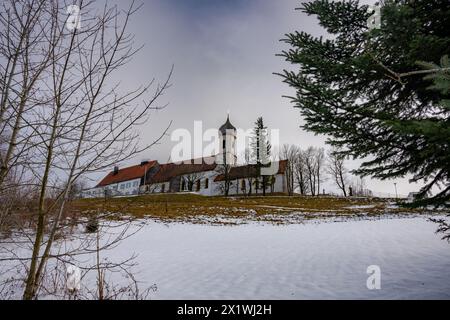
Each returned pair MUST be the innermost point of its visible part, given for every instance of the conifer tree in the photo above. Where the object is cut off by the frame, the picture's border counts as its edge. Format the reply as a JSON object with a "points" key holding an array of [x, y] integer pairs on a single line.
{"points": [[261, 150], [368, 92]]}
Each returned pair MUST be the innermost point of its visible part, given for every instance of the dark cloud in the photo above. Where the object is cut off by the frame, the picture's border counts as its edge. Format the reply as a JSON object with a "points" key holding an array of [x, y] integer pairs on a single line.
{"points": [[224, 53]]}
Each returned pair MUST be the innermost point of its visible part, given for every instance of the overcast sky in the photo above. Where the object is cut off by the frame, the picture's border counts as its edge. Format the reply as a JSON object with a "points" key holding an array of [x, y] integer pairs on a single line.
{"points": [[224, 57]]}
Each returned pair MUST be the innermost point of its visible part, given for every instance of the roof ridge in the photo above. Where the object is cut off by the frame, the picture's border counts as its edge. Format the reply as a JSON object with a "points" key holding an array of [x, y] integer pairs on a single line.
{"points": [[127, 173]]}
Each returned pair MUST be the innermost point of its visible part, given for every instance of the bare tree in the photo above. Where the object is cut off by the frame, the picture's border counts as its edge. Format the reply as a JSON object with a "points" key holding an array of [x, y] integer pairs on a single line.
{"points": [[250, 172], [301, 172], [359, 188], [224, 186], [311, 169], [193, 178], [76, 189], [337, 170], [312, 162], [291, 154], [319, 165], [24, 55], [61, 103], [71, 250]]}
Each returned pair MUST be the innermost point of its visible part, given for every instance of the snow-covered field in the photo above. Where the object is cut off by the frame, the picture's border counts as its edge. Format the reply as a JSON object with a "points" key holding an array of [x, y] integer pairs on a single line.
{"points": [[309, 261], [314, 260]]}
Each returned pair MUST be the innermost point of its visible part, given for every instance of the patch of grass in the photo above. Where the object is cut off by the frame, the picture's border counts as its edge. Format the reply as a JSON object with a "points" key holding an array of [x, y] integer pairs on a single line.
{"points": [[193, 208]]}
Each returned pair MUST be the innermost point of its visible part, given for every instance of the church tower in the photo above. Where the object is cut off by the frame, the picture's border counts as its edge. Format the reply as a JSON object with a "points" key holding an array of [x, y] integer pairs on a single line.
{"points": [[227, 136]]}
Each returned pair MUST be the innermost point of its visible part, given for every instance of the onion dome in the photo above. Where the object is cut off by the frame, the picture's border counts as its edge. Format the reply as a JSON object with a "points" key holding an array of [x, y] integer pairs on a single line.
{"points": [[226, 126]]}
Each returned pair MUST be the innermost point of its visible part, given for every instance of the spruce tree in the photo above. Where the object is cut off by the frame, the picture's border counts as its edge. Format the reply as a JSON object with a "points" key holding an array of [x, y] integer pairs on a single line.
{"points": [[368, 91], [261, 150]]}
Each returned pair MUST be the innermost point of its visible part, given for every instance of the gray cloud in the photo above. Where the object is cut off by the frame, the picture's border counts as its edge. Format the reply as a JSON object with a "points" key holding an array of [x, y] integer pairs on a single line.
{"points": [[224, 58]]}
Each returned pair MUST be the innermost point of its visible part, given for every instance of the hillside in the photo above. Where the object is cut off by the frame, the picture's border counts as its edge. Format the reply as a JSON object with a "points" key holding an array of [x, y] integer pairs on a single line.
{"points": [[277, 209]]}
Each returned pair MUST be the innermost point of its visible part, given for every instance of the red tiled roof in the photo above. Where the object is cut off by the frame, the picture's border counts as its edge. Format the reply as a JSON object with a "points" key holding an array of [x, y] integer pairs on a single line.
{"points": [[249, 171], [207, 160], [126, 174], [171, 170]]}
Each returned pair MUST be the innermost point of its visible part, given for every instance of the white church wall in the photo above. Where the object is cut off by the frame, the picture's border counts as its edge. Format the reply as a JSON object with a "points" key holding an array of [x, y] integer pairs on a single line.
{"points": [[156, 188], [279, 183], [210, 175], [203, 176], [236, 186], [206, 190]]}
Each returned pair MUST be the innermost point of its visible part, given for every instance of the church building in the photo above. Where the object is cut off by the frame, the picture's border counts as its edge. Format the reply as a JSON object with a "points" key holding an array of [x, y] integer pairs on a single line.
{"points": [[205, 176]]}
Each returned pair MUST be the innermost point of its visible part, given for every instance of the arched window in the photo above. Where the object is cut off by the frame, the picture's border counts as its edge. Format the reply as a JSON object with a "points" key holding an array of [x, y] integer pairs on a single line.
{"points": [[198, 185], [206, 183], [242, 184], [183, 184]]}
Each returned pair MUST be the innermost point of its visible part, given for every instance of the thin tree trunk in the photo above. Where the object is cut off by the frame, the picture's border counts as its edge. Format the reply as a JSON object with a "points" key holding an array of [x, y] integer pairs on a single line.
{"points": [[318, 182], [342, 183], [33, 276]]}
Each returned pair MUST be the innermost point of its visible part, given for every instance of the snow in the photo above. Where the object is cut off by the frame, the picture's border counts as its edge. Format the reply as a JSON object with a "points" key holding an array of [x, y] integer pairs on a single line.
{"points": [[73, 282], [361, 207], [312, 260], [308, 261]]}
